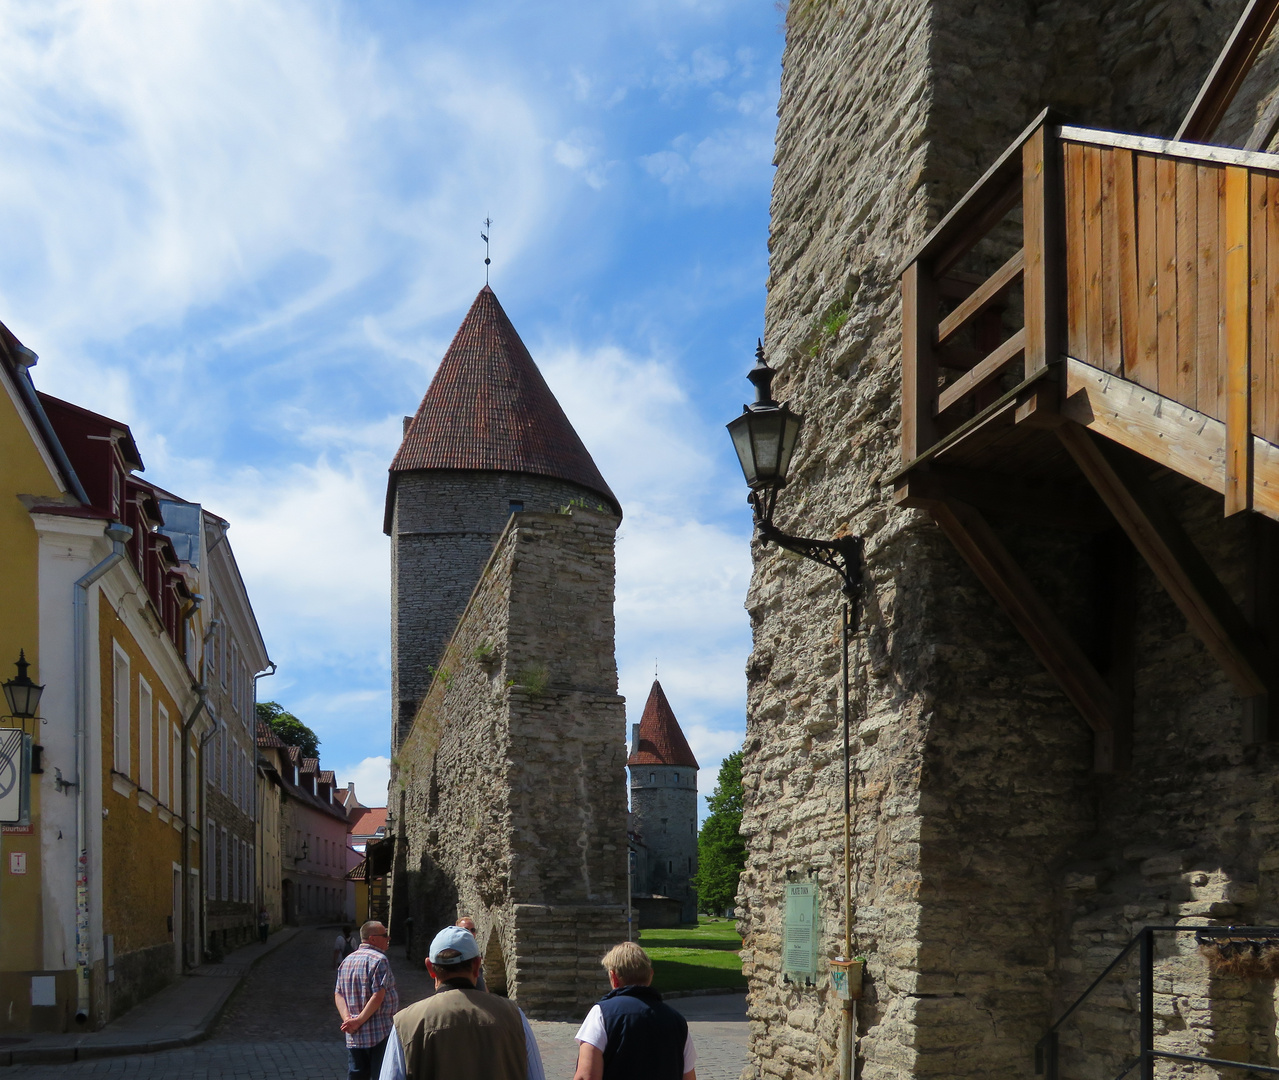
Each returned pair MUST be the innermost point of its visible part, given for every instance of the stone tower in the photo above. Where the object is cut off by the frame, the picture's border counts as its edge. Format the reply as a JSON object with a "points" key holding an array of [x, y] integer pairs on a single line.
{"points": [[664, 804], [488, 440]]}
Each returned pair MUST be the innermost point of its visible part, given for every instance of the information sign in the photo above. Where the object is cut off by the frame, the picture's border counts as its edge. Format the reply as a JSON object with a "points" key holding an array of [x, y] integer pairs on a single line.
{"points": [[799, 946]]}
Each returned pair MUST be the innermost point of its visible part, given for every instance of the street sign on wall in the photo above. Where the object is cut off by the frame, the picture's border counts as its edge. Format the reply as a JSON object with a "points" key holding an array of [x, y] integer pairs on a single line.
{"points": [[801, 935], [15, 773]]}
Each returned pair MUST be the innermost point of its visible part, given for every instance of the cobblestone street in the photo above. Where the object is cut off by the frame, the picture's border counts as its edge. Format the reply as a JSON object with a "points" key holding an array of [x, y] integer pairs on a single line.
{"points": [[281, 1025]]}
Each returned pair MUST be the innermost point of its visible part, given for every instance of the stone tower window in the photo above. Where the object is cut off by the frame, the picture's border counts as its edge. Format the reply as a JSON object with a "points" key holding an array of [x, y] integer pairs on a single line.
{"points": [[677, 778], [515, 506], [652, 778]]}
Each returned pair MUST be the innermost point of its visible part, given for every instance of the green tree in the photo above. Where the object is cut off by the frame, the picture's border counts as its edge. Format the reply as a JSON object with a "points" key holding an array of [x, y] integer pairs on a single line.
{"points": [[721, 849], [289, 728]]}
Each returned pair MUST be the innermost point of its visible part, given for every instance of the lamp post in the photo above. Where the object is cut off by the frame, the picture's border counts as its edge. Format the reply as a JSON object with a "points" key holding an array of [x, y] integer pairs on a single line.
{"points": [[21, 694], [23, 698], [765, 436]]}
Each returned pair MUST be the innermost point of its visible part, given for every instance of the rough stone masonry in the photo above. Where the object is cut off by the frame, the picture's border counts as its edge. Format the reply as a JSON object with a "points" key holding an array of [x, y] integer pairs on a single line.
{"points": [[509, 788], [995, 873]]}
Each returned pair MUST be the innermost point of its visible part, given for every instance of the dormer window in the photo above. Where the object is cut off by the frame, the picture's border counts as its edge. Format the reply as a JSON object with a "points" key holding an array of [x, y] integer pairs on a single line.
{"points": [[295, 776], [115, 492]]}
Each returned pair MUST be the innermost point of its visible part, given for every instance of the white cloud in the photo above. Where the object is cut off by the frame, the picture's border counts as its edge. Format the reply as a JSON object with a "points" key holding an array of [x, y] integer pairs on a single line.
{"points": [[371, 778], [162, 157]]}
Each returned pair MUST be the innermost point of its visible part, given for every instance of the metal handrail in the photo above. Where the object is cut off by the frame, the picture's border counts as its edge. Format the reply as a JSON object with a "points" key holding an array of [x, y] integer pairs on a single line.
{"points": [[1144, 940]]}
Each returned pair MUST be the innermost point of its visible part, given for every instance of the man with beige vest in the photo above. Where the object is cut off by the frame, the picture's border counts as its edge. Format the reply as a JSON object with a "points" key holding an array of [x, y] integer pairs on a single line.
{"points": [[460, 1031]]}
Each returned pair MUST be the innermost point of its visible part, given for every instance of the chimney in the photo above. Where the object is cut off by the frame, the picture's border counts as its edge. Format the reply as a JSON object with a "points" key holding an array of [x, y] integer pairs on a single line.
{"points": [[634, 738], [407, 421]]}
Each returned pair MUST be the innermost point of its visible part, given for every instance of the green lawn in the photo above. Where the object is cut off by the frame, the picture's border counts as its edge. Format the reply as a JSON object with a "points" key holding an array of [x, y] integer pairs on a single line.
{"points": [[701, 957]]}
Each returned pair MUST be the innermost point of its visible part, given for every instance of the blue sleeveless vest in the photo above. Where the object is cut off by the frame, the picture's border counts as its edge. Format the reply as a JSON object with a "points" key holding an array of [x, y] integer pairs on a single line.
{"points": [[645, 1038]]}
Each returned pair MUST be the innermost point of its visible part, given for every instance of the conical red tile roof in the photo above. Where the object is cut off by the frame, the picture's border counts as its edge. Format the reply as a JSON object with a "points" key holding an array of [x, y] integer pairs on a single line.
{"points": [[661, 742], [488, 407]]}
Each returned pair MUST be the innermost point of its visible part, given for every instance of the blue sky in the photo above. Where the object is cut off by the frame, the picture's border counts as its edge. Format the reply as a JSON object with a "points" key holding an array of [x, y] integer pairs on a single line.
{"points": [[250, 229]]}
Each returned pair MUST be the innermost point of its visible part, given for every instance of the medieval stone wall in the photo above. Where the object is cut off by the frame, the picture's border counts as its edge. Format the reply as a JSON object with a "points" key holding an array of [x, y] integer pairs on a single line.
{"points": [[511, 782], [443, 529], [995, 873]]}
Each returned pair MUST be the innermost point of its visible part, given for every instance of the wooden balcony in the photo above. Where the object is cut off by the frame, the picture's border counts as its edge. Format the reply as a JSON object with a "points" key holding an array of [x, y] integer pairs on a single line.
{"points": [[1097, 290]]}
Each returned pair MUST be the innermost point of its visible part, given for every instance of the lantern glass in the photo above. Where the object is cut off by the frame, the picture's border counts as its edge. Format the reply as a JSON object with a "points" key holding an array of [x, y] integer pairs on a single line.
{"points": [[764, 439], [21, 694]]}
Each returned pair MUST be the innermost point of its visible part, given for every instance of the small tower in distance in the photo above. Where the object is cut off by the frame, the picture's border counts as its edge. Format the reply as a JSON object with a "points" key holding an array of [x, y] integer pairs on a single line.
{"points": [[664, 805]]}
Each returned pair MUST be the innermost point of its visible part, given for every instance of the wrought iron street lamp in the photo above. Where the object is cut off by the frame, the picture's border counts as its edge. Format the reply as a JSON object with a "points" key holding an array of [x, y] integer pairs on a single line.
{"points": [[22, 695], [764, 437]]}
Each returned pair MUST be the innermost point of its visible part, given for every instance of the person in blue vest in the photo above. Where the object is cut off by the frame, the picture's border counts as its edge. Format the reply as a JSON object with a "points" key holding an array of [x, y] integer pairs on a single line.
{"points": [[630, 1034]]}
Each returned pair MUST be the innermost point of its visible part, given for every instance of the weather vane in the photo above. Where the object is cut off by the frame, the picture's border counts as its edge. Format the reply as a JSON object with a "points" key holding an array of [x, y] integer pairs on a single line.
{"points": [[488, 227]]}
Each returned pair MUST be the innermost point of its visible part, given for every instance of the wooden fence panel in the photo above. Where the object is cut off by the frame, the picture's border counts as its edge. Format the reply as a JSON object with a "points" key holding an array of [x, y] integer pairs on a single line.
{"points": [[1075, 268], [1092, 255], [1187, 281], [1110, 349], [1166, 244], [1208, 350], [1145, 368]]}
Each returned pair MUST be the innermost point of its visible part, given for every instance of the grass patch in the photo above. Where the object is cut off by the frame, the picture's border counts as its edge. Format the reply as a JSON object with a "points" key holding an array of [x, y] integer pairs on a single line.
{"points": [[701, 957]]}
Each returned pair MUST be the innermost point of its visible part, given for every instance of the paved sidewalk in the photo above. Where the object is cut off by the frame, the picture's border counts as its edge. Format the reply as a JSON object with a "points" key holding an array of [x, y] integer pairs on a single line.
{"points": [[182, 1013]]}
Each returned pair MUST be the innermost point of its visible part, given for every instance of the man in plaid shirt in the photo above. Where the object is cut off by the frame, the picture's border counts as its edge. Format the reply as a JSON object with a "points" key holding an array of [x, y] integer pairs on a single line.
{"points": [[366, 1001]]}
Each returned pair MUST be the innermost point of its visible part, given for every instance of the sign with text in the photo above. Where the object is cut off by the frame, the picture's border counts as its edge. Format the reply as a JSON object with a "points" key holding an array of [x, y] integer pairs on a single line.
{"points": [[14, 773], [799, 944]]}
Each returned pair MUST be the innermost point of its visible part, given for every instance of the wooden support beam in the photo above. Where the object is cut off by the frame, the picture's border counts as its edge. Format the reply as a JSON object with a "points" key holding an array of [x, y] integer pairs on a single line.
{"points": [[919, 362], [1046, 503], [1176, 562], [988, 292], [1034, 618], [1228, 73], [1238, 343]]}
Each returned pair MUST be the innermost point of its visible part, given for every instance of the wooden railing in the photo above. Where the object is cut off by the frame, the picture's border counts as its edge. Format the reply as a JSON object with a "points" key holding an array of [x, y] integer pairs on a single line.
{"points": [[1150, 260], [1172, 265], [946, 383]]}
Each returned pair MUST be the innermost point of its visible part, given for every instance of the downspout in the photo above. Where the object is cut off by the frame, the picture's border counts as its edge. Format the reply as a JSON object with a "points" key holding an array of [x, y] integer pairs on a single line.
{"points": [[201, 783], [259, 894], [188, 723], [118, 535]]}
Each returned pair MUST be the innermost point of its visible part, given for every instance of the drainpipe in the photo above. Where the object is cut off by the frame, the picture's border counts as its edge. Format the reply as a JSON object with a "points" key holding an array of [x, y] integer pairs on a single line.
{"points": [[259, 838], [188, 723], [118, 535]]}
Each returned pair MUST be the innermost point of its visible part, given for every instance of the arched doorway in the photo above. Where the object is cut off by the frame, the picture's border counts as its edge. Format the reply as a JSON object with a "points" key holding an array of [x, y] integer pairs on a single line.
{"points": [[495, 965]]}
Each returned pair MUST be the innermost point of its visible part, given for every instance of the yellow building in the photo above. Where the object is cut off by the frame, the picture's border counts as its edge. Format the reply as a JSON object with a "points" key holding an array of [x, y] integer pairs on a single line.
{"points": [[102, 867], [33, 472]]}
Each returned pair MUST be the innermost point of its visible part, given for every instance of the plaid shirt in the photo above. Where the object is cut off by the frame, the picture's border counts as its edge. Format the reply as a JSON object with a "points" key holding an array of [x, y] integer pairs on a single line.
{"points": [[362, 975]]}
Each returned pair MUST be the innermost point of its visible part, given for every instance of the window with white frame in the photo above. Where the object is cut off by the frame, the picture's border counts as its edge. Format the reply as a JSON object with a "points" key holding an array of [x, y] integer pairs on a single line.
{"points": [[226, 867], [162, 754], [146, 725], [234, 665], [120, 720], [177, 770], [233, 765]]}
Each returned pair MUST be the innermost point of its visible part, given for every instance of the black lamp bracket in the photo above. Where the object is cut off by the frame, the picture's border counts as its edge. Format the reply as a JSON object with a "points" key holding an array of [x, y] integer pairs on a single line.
{"points": [[843, 554]]}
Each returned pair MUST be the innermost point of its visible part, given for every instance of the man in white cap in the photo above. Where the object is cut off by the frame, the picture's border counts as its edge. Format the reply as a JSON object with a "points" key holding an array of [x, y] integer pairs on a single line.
{"points": [[460, 1031]]}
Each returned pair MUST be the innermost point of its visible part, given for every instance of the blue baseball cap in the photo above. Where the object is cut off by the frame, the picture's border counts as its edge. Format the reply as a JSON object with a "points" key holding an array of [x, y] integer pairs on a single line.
{"points": [[453, 945]]}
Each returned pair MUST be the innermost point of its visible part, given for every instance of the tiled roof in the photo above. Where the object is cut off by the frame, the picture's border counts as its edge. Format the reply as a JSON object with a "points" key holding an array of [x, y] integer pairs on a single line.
{"points": [[367, 820], [326, 775], [488, 407], [267, 737], [661, 742], [311, 764]]}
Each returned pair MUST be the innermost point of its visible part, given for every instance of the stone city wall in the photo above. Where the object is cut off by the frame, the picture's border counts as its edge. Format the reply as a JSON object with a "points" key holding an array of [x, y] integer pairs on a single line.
{"points": [[995, 873], [511, 785], [442, 534]]}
